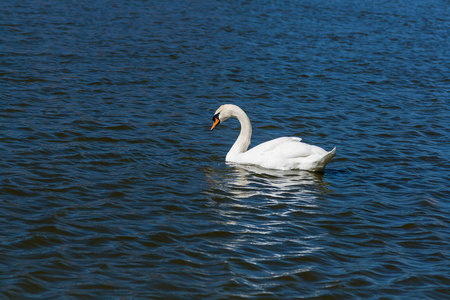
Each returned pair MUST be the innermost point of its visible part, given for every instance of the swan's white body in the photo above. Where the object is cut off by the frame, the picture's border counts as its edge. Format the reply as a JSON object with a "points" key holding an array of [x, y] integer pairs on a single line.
{"points": [[284, 153]]}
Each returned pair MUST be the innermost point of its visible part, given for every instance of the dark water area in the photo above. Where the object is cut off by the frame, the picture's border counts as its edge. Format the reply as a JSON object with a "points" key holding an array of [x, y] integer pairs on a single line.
{"points": [[113, 187]]}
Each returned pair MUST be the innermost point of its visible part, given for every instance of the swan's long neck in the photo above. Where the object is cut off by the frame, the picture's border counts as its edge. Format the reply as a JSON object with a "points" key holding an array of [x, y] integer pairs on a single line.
{"points": [[243, 140]]}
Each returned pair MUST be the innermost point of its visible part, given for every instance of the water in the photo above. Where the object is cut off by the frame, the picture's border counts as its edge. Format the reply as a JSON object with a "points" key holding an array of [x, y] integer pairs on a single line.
{"points": [[112, 185]]}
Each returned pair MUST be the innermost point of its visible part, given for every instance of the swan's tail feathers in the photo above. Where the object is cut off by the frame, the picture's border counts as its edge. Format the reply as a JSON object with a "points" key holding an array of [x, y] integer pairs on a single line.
{"points": [[325, 160], [329, 156]]}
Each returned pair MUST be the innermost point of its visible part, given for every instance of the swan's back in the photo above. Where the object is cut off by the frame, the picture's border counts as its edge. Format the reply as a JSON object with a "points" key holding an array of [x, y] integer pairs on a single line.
{"points": [[285, 153]]}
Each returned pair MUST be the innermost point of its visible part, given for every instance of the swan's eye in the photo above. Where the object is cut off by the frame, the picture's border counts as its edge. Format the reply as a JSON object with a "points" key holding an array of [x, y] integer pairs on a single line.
{"points": [[216, 116]]}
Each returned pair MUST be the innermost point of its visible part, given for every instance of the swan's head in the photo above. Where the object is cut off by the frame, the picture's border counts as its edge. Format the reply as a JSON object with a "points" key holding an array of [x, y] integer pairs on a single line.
{"points": [[222, 113]]}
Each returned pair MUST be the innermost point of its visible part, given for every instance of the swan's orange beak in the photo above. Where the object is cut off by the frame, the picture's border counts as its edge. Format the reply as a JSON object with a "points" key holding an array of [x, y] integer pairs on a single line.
{"points": [[216, 122]]}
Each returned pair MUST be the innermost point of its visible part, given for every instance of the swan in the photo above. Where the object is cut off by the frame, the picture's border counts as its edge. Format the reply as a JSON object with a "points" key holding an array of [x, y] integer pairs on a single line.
{"points": [[284, 153]]}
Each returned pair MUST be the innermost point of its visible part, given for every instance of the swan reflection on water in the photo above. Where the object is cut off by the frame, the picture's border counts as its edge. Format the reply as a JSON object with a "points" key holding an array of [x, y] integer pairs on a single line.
{"points": [[245, 181], [268, 209]]}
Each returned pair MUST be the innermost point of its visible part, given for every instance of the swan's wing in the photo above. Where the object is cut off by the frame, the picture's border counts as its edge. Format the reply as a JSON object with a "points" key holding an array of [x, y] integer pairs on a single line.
{"points": [[295, 149], [286, 148], [272, 144]]}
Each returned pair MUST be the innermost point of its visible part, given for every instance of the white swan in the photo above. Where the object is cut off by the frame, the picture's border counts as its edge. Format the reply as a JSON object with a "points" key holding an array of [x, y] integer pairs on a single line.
{"points": [[284, 153]]}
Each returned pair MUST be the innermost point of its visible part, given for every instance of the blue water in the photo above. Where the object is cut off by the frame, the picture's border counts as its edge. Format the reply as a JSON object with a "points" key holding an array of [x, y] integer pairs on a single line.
{"points": [[113, 187]]}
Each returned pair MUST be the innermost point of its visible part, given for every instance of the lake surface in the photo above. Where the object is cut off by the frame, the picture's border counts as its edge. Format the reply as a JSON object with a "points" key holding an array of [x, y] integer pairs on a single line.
{"points": [[112, 186]]}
